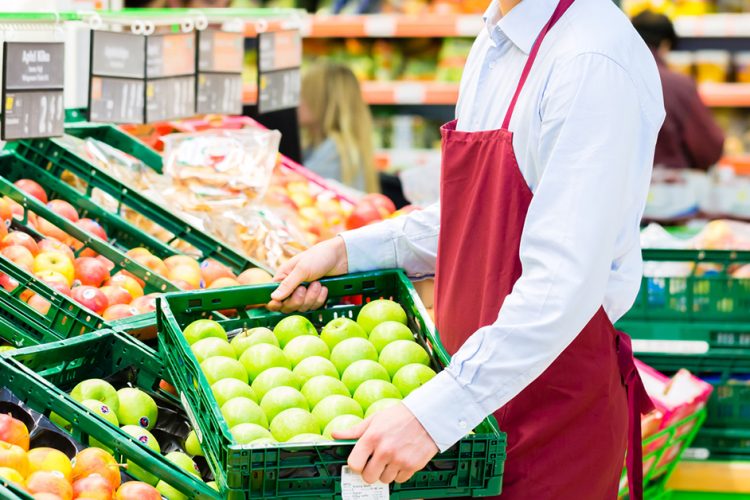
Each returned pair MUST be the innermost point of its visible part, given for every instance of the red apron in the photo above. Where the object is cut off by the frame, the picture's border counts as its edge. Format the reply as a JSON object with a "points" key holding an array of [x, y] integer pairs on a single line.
{"points": [[568, 430]]}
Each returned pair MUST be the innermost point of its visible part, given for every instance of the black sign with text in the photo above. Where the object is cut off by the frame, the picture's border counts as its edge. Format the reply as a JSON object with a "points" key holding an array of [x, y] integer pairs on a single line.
{"points": [[219, 82], [279, 61]]}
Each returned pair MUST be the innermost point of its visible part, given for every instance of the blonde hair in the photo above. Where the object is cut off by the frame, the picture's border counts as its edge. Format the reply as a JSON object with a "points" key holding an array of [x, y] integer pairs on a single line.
{"points": [[334, 98]]}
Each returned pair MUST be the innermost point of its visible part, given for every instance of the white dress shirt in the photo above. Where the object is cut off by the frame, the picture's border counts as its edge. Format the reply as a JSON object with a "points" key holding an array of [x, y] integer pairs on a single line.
{"points": [[585, 129]]}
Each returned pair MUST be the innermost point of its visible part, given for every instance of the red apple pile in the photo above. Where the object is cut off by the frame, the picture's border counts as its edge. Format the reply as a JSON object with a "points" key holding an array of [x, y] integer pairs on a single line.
{"points": [[370, 209], [88, 278]]}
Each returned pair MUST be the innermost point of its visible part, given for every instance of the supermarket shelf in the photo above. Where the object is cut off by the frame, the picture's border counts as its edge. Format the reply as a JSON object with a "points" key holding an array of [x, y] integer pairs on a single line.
{"points": [[383, 26], [726, 94], [718, 477], [403, 93], [713, 26]]}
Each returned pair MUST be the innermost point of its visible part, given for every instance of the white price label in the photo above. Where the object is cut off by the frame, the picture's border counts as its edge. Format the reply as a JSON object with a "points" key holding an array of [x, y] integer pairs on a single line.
{"points": [[380, 26], [353, 487], [469, 26], [670, 346], [409, 93]]}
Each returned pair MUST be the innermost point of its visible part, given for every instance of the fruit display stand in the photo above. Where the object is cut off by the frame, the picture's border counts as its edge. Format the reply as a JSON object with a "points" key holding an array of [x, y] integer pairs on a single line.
{"points": [[38, 376], [61, 163], [471, 468], [699, 318], [8, 491]]}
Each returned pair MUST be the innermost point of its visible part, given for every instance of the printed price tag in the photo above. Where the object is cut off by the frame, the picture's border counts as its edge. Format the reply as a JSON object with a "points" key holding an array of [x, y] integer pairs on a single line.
{"points": [[410, 93], [279, 80], [383, 26], [219, 81], [670, 346], [353, 487], [32, 90]]}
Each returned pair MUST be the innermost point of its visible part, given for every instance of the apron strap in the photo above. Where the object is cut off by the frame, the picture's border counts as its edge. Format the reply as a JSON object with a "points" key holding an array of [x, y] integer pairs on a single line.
{"points": [[562, 7], [639, 403]]}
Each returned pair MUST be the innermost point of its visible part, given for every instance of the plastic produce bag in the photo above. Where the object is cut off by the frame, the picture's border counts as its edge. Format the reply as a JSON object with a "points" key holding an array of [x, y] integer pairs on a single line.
{"points": [[217, 164]]}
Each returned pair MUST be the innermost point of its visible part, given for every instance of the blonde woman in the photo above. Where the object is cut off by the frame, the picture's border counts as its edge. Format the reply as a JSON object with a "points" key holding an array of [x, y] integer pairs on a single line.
{"points": [[337, 127]]}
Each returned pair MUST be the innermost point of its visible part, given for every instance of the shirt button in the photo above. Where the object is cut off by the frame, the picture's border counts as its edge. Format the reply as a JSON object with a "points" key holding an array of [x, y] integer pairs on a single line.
{"points": [[462, 424]]}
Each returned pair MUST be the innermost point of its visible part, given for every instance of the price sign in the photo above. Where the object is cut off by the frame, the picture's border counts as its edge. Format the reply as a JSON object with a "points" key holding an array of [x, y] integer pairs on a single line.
{"points": [[219, 81], [279, 61], [32, 90], [141, 79]]}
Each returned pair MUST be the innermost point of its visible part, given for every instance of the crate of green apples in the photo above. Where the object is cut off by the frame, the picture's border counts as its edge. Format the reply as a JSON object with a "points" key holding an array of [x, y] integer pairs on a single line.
{"points": [[266, 391]]}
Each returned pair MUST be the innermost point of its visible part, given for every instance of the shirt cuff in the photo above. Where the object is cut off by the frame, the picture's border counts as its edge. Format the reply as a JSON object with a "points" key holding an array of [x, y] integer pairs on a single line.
{"points": [[369, 248], [445, 410]]}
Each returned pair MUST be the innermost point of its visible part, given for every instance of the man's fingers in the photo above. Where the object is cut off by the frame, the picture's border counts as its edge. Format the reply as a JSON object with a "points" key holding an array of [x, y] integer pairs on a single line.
{"points": [[322, 297], [353, 432], [376, 465], [389, 474], [311, 297], [294, 302], [286, 268], [295, 278], [403, 476], [274, 305]]}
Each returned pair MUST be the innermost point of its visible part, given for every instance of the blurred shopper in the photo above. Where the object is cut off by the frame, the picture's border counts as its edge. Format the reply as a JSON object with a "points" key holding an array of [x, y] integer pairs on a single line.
{"points": [[337, 127], [690, 137]]}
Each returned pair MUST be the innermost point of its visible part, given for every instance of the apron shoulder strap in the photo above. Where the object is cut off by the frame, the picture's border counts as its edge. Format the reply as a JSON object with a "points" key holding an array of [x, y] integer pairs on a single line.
{"points": [[562, 7]]}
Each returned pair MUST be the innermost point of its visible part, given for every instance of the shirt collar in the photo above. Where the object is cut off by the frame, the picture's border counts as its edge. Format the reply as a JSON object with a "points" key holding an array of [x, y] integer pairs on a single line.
{"points": [[523, 23]]}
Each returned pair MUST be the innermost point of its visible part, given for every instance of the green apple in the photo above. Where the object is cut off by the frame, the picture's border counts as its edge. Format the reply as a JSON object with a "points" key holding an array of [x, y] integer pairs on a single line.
{"points": [[305, 346], [183, 461], [228, 388], [274, 377], [282, 398], [254, 336], [293, 422], [307, 438], [411, 377], [98, 390], [192, 445], [60, 422], [350, 350], [248, 433], [364, 369], [210, 347], [341, 329], [7, 348], [291, 327], [221, 367], [381, 404], [136, 408], [379, 311], [333, 406], [260, 357], [147, 439], [203, 328], [400, 353], [341, 423], [263, 442], [374, 390], [318, 388], [312, 366], [385, 333], [107, 414], [170, 492], [213, 485], [243, 411]]}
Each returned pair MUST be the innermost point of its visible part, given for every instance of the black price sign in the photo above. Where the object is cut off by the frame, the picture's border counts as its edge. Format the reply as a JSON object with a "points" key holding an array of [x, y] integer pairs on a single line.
{"points": [[141, 79], [279, 61], [219, 82], [32, 90]]}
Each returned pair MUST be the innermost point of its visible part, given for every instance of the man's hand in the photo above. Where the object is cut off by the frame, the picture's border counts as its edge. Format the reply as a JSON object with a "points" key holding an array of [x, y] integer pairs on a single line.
{"points": [[324, 259], [392, 445]]}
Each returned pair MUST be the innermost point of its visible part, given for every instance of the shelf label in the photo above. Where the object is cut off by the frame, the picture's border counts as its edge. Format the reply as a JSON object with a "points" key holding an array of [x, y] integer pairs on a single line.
{"points": [[116, 100], [353, 487], [120, 55], [32, 90], [170, 55], [670, 346], [380, 26], [170, 98], [409, 93], [279, 76], [219, 80]]}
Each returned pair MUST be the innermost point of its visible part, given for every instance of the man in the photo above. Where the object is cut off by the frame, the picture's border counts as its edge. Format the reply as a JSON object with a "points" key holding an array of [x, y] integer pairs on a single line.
{"points": [[535, 246], [690, 137]]}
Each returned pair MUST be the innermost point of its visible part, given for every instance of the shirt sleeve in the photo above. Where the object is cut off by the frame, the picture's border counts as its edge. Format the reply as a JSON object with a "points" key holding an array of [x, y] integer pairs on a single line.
{"points": [[408, 242], [593, 136]]}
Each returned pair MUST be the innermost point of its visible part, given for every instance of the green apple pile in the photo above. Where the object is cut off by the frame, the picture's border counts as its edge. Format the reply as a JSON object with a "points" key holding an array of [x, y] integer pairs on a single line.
{"points": [[295, 384], [136, 413]]}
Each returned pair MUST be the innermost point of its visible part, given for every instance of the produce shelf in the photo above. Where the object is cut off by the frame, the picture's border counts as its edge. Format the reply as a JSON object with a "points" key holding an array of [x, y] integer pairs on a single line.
{"points": [[713, 26], [731, 95]]}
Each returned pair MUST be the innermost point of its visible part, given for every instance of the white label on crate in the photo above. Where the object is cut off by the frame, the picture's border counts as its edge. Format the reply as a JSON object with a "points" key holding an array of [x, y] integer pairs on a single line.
{"points": [[191, 417], [697, 454], [469, 25], [409, 93], [383, 26], [670, 346], [353, 487]]}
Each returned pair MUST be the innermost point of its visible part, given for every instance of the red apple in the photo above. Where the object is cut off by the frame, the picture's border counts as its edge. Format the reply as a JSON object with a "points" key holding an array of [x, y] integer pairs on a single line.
{"points": [[362, 215], [126, 281], [15, 208], [6, 211], [20, 238], [145, 304], [108, 263], [48, 229], [63, 209], [94, 486], [8, 283], [53, 245], [166, 386], [187, 273], [131, 275], [181, 260], [39, 303], [183, 285], [54, 280], [254, 276], [19, 255], [153, 263], [91, 271], [116, 295], [3, 229], [90, 297], [32, 188], [119, 311], [384, 204], [213, 270], [135, 252], [135, 490], [55, 261], [92, 227]]}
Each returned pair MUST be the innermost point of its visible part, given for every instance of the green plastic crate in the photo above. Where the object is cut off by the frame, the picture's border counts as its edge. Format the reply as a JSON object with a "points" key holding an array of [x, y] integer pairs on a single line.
{"points": [[662, 453], [109, 134], [474, 467], [8, 491], [18, 332], [722, 444], [41, 376], [54, 157]]}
